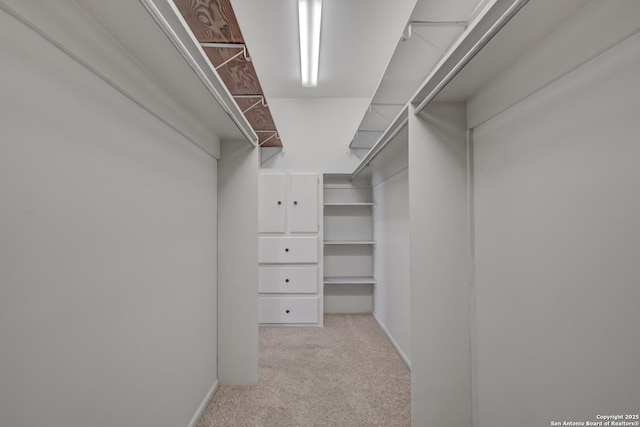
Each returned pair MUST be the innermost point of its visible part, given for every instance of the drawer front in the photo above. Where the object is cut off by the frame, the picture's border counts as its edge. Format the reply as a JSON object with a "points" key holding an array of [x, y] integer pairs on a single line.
{"points": [[288, 310], [288, 250], [288, 280]]}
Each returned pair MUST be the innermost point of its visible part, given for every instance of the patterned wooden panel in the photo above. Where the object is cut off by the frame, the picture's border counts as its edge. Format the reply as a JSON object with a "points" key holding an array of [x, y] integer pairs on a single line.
{"points": [[239, 75], [273, 142], [211, 20], [260, 118], [245, 103]]}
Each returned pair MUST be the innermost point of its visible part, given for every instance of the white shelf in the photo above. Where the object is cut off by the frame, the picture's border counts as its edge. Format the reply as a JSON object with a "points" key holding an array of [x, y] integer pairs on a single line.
{"points": [[349, 204], [349, 242], [349, 281]]}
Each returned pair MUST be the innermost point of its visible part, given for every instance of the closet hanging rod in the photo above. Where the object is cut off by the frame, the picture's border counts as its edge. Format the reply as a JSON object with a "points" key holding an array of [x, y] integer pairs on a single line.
{"points": [[186, 44], [477, 46], [377, 149]]}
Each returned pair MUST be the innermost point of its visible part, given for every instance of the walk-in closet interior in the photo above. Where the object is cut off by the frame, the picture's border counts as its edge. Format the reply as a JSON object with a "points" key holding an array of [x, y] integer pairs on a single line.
{"points": [[466, 171]]}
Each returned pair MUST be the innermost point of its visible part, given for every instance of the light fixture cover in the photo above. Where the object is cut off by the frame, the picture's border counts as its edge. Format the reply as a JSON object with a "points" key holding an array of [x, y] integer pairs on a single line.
{"points": [[309, 21]]}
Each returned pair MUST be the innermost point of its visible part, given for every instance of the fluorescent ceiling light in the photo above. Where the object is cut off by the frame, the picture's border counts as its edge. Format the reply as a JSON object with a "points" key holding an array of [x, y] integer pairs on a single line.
{"points": [[309, 20]]}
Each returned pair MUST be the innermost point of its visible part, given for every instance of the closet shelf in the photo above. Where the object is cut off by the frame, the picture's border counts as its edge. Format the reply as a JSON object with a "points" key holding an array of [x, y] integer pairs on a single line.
{"points": [[334, 280], [398, 123], [349, 204], [349, 242]]}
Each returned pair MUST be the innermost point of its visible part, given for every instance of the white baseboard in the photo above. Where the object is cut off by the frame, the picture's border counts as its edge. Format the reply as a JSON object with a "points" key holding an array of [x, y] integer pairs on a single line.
{"points": [[203, 406], [403, 356]]}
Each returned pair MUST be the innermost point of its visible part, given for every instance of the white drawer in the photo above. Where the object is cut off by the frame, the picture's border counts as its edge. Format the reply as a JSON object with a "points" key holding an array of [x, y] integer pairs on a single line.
{"points": [[288, 280], [288, 310], [288, 250]]}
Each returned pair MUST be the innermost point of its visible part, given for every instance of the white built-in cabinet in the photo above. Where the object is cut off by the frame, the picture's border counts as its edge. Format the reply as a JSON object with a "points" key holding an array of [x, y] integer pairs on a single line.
{"points": [[348, 245], [290, 248], [288, 202]]}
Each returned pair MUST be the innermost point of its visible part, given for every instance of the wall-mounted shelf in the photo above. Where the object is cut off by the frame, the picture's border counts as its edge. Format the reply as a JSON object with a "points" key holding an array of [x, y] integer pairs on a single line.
{"points": [[213, 25], [398, 123], [349, 242], [464, 38], [365, 280]]}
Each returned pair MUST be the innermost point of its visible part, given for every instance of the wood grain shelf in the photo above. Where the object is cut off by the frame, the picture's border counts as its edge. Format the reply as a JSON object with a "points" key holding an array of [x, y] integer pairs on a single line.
{"points": [[211, 20], [214, 21]]}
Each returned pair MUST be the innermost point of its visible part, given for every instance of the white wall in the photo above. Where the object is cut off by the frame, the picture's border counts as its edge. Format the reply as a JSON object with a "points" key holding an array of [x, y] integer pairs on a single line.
{"points": [[557, 246], [392, 293], [311, 143], [107, 251], [440, 267], [238, 264]]}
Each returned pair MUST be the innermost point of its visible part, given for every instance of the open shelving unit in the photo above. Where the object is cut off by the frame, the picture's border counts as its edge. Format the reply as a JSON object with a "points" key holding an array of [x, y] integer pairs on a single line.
{"points": [[348, 244]]}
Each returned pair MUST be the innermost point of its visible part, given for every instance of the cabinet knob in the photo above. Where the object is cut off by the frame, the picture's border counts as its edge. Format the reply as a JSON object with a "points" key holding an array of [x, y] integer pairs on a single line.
{"points": [[286, 249], [295, 202], [279, 202], [286, 311], [286, 280]]}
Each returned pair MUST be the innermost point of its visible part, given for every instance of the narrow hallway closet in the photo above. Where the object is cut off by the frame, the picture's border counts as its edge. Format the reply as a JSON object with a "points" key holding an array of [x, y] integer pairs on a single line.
{"points": [[319, 212]]}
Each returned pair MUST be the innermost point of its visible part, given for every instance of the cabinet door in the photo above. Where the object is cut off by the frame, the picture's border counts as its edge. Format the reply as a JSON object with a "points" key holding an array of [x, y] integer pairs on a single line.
{"points": [[272, 202], [288, 280], [288, 250], [303, 203], [288, 310]]}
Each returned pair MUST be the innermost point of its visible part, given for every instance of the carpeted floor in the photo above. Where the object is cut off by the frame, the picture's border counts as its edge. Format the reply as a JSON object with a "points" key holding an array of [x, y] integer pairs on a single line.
{"points": [[345, 374]]}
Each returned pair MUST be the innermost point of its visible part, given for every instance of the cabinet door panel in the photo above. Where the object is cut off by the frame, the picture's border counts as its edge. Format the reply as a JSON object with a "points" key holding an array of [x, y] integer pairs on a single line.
{"points": [[288, 250], [288, 280], [272, 203], [303, 203], [288, 310]]}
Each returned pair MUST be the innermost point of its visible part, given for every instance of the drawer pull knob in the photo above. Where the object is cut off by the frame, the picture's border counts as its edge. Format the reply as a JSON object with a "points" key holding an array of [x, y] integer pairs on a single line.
{"points": [[279, 202], [286, 280], [286, 311], [286, 249], [295, 202]]}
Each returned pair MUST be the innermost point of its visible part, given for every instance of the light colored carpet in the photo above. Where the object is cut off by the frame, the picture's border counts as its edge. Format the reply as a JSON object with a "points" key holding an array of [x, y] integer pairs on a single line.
{"points": [[345, 374]]}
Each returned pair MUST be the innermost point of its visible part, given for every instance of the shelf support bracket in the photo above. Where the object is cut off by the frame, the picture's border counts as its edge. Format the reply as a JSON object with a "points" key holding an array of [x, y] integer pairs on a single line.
{"points": [[275, 135], [406, 34], [261, 100], [229, 46]]}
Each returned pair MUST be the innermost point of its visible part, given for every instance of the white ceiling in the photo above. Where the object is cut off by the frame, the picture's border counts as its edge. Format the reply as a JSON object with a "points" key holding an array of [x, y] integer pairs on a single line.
{"points": [[361, 55], [357, 40]]}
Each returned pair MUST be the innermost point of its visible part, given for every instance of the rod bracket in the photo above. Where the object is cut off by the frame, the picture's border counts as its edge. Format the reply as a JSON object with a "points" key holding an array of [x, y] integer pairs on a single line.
{"points": [[406, 33]]}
